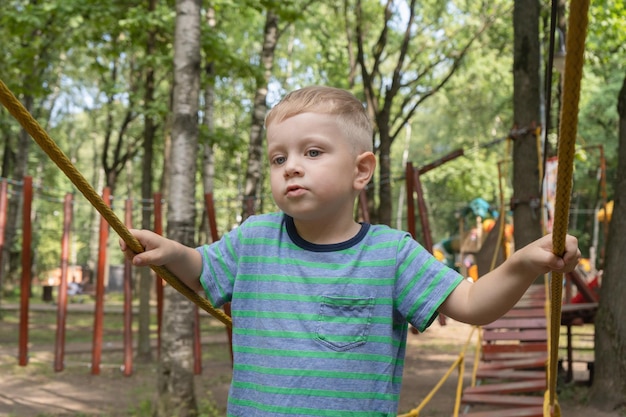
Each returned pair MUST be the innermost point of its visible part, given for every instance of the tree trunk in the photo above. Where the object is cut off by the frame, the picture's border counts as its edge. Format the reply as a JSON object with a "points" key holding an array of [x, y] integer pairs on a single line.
{"points": [[609, 385], [8, 160], [144, 351], [175, 378], [9, 258], [384, 170], [208, 160], [254, 173], [526, 104]]}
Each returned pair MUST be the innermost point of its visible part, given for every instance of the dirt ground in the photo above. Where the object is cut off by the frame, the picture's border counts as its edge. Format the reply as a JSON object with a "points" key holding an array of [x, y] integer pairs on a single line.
{"points": [[37, 391]]}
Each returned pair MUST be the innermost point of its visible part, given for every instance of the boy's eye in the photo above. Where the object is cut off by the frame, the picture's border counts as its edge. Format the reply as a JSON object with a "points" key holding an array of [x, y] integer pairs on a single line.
{"points": [[279, 160], [314, 153]]}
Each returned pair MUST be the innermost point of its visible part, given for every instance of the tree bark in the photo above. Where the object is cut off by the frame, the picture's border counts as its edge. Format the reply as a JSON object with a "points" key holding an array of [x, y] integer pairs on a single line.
{"points": [[609, 385], [11, 258], [175, 378], [146, 280], [393, 98], [254, 173], [526, 105], [208, 159]]}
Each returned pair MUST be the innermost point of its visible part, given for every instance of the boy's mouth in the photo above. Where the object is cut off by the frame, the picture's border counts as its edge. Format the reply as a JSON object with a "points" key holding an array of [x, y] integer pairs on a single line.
{"points": [[294, 190]]}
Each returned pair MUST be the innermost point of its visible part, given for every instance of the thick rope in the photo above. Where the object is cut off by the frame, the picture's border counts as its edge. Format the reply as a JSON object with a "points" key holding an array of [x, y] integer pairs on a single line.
{"points": [[30, 125], [459, 364], [577, 25]]}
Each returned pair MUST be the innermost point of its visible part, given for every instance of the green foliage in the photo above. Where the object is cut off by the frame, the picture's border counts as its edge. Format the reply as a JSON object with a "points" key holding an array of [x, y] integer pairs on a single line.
{"points": [[85, 64]]}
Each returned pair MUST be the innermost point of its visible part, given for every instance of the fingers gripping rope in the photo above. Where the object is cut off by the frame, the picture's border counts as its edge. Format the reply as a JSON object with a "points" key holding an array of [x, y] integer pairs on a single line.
{"points": [[19, 112], [577, 25]]}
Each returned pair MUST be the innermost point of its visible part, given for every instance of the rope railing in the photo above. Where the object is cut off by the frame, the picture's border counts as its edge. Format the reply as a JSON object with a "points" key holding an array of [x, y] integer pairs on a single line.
{"points": [[575, 46], [47, 144], [578, 22], [459, 364]]}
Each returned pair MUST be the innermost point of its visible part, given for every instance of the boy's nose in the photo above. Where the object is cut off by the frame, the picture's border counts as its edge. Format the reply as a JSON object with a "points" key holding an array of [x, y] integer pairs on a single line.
{"points": [[292, 168]]}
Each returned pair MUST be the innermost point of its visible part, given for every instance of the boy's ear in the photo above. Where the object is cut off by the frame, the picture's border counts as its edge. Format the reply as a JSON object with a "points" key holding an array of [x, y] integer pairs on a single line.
{"points": [[364, 169]]}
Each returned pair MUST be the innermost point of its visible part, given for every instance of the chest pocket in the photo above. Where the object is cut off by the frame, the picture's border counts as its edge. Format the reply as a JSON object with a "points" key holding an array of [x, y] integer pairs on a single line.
{"points": [[344, 323]]}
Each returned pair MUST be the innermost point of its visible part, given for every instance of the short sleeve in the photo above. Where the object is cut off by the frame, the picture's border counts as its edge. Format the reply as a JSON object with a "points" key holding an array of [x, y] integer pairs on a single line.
{"points": [[422, 283]]}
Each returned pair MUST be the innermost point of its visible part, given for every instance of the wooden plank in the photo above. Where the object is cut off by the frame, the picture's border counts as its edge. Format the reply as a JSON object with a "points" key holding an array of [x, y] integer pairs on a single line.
{"points": [[509, 412], [518, 323], [506, 356], [514, 347], [568, 308], [503, 400], [509, 374], [535, 385], [523, 335], [526, 312], [530, 303], [530, 363]]}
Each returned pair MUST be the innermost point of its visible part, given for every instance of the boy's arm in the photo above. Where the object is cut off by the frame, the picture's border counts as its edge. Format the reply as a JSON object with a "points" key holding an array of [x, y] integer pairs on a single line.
{"points": [[180, 260], [498, 291]]}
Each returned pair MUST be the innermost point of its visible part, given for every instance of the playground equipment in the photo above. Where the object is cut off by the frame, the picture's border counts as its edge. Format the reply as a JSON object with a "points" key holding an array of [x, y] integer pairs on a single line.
{"points": [[533, 334], [573, 69], [65, 271], [578, 21]]}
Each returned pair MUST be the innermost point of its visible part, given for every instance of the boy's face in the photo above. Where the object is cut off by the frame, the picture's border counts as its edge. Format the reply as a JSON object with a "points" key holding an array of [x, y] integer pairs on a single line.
{"points": [[312, 167]]}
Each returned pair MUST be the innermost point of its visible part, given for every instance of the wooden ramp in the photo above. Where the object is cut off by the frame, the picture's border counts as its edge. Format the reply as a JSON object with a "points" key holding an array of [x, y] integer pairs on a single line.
{"points": [[512, 371]]}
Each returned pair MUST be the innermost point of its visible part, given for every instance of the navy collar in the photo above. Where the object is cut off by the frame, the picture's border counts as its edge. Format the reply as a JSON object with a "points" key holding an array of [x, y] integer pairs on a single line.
{"points": [[314, 247]]}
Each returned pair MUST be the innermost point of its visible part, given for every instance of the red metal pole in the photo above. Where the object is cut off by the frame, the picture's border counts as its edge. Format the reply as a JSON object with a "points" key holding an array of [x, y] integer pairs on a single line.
{"points": [[210, 209], [96, 352], [197, 343], [158, 228], [365, 214], [128, 301], [428, 239], [59, 347], [421, 206], [27, 193], [4, 200], [410, 200]]}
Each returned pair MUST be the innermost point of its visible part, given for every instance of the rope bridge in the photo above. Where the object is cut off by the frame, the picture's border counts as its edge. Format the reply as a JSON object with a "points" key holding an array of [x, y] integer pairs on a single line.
{"points": [[34, 129], [575, 47], [578, 22]]}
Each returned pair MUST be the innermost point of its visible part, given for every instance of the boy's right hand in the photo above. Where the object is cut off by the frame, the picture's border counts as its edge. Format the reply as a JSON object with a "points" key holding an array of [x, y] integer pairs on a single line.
{"points": [[181, 260], [157, 249]]}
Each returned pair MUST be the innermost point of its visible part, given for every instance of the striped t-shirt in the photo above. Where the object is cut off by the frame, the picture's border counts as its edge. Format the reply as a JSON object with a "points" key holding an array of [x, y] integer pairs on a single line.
{"points": [[320, 330]]}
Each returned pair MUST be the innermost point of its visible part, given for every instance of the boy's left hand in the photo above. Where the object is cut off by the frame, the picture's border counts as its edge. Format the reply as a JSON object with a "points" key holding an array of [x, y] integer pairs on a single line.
{"points": [[546, 258]]}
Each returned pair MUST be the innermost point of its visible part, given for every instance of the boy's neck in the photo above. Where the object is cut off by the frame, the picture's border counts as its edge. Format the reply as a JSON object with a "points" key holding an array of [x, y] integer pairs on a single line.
{"points": [[328, 233]]}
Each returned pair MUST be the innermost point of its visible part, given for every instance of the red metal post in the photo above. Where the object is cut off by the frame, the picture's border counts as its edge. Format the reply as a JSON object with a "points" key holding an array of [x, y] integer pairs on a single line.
{"points": [[421, 207], [59, 347], [4, 200], [210, 209], [197, 343], [27, 193], [96, 352], [365, 213], [158, 229], [128, 300], [410, 199], [428, 239], [421, 204]]}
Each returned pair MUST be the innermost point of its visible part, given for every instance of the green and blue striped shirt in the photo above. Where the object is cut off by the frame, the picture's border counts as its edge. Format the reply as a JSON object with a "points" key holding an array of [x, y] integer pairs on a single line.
{"points": [[320, 330]]}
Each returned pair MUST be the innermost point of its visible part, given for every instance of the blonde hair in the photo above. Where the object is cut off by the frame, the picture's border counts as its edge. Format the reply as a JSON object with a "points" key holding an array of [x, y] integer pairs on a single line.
{"points": [[349, 111]]}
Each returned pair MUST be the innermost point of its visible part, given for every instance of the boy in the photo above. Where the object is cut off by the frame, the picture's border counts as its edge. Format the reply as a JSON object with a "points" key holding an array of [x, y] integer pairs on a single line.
{"points": [[320, 303]]}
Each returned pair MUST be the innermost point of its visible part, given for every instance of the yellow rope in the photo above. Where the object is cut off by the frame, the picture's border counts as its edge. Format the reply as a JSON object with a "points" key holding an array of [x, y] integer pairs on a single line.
{"points": [[30, 125], [578, 21], [477, 352], [459, 364]]}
